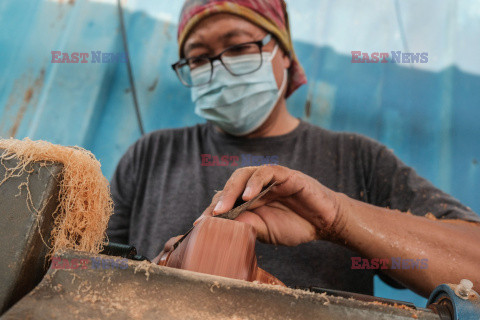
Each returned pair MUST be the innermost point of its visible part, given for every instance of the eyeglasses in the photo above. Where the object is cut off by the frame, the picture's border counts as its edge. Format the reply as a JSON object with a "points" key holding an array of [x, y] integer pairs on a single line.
{"points": [[251, 50]]}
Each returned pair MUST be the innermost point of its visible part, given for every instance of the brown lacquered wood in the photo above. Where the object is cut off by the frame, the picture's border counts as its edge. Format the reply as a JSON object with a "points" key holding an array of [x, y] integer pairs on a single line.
{"points": [[219, 247]]}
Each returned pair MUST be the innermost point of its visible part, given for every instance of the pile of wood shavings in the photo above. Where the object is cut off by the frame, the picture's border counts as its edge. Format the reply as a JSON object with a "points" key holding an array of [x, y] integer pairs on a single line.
{"points": [[85, 204]]}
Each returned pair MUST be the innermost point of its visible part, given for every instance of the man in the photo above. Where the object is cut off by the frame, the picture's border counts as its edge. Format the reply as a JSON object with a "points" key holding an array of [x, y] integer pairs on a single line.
{"points": [[339, 196]]}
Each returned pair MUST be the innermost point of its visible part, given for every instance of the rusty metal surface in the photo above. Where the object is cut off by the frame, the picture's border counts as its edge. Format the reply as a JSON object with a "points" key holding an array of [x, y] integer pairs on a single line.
{"points": [[147, 291], [22, 262]]}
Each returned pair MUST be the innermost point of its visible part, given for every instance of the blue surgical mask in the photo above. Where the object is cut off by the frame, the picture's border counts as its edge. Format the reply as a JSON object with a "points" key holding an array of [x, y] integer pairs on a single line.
{"points": [[238, 104]]}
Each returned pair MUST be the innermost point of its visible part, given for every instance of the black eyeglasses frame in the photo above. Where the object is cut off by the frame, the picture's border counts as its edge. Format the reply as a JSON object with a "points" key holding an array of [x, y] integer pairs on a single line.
{"points": [[259, 43]]}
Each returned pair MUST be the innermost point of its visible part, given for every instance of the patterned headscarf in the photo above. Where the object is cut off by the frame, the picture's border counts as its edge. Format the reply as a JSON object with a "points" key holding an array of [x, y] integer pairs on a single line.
{"points": [[270, 15]]}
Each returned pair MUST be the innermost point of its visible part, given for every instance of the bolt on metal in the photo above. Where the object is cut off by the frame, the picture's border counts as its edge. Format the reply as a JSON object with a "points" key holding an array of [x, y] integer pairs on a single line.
{"points": [[464, 288]]}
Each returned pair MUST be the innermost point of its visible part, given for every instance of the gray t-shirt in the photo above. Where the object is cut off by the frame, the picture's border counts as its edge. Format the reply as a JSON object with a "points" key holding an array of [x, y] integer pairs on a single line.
{"points": [[168, 177]]}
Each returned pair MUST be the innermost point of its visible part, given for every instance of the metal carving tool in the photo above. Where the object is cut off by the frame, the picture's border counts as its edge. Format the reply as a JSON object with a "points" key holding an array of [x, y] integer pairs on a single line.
{"points": [[233, 213]]}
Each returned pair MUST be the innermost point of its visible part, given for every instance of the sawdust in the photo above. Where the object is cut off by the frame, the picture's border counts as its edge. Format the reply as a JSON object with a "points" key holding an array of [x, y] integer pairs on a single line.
{"points": [[120, 299], [85, 204], [74, 277], [144, 266], [324, 296], [430, 216], [395, 305], [57, 288], [109, 280], [296, 293], [229, 283], [107, 305], [398, 306], [215, 284]]}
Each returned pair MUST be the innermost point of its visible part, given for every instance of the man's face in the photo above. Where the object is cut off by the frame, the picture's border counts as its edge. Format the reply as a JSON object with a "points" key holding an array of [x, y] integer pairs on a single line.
{"points": [[220, 31]]}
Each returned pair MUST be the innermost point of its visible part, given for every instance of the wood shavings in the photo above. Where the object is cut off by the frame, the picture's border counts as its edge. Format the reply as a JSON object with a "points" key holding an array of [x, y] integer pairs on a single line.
{"points": [[109, 280], [144, 266], [430, 216], [215, 284], [85, 204], [324, 295], [74, 276]]}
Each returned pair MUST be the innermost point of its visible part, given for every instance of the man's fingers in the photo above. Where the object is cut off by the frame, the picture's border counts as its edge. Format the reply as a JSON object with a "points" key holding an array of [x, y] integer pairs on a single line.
{"points": [[262, 177], [246, 182], [233, 189], [166, 248], [169, 244], [157, 258], [199, 219], [256, 222], [257, 181], [208, 212], [249, 182]]}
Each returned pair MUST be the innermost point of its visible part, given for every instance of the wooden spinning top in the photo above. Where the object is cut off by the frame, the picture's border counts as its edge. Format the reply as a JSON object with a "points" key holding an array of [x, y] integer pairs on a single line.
{"points": [[220, 247]]}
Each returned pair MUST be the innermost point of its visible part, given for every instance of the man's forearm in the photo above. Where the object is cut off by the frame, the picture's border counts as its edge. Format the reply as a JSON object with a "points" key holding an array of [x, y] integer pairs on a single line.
{"points": [[452, 247]]}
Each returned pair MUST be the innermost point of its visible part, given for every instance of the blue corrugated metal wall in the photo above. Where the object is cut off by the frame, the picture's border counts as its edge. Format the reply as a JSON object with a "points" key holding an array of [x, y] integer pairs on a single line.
{"points": [[428, 114]]}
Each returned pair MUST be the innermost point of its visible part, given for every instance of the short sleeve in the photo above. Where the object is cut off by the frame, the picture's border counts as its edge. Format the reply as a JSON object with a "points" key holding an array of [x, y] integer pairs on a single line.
{"points": [[122, 187], [397, 186]]}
